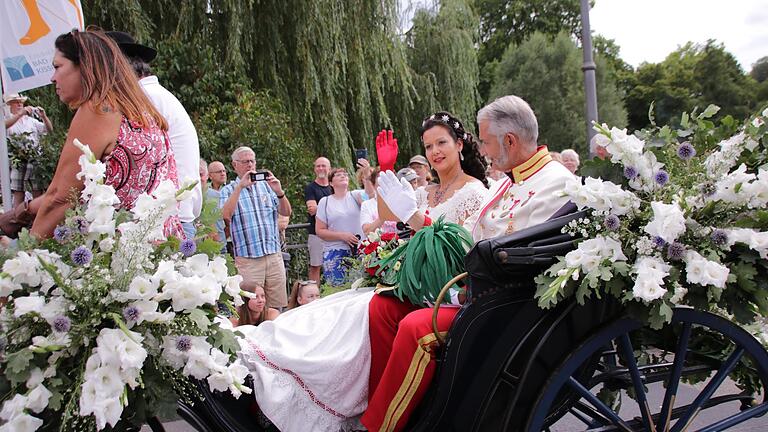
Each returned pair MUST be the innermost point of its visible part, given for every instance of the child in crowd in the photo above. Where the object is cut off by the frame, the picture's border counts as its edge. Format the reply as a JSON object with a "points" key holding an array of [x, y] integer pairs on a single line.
{"points": [[303, 292], [254, 311]]}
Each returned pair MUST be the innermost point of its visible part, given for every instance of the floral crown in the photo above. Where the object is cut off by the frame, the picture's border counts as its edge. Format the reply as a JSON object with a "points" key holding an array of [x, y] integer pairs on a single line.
{"points": [[452, 122]]}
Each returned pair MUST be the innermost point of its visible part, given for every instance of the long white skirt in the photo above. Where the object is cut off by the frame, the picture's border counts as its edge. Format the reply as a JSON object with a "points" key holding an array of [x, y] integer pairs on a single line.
{"points": [[311, 365]]}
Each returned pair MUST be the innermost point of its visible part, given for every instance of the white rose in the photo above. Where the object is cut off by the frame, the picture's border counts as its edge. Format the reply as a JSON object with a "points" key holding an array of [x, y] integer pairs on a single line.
{"points": [[107, 245], [647, 289]]}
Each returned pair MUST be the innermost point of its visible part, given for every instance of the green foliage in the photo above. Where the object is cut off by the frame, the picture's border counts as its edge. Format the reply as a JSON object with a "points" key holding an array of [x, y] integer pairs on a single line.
{"points": [[442, 52], [695, 75], [547, 73], [510, 22]]}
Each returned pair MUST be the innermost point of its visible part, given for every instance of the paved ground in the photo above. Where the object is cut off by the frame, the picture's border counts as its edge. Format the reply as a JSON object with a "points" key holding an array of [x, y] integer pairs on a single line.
{"points": [[570, 424]]}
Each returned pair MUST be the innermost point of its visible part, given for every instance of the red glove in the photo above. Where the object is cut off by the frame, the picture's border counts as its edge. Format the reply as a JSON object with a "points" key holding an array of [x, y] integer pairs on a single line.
{"points": [[386, 150]]}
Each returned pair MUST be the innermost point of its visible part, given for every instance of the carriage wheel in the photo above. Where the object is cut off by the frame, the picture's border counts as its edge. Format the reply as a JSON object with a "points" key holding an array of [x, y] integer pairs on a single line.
{"points": [[620, 373]]}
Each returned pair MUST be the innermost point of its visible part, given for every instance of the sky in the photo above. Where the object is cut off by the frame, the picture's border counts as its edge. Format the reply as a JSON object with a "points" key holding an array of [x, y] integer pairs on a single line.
{"points": [[648, 30]]}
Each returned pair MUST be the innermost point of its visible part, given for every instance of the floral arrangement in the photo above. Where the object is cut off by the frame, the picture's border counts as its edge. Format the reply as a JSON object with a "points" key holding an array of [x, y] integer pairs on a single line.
{"points": [[106, 322], [687, 225], [377, 246]]}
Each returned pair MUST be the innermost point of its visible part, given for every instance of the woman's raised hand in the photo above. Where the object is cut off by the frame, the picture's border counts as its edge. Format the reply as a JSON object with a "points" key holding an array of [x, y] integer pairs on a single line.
{"points": [[386, 150]]}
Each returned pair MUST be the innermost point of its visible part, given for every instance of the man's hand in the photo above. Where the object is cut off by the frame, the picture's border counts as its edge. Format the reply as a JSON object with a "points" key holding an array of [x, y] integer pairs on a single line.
{"points": [[245, 181], [386, 150], [398, 194], [274, 183]]}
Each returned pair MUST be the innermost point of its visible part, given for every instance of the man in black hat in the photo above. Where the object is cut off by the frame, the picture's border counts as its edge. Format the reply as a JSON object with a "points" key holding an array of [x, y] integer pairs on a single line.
{"points": [[181, 131]]}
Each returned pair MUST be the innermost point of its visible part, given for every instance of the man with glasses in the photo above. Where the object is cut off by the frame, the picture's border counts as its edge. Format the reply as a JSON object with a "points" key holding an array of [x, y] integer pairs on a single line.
{"points": [[218, 176], [252, 208]]}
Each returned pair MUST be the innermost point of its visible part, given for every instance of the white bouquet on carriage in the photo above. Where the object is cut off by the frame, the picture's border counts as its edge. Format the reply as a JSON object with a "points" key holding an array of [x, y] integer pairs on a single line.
{"points": [[686, 225], [106, 322]]}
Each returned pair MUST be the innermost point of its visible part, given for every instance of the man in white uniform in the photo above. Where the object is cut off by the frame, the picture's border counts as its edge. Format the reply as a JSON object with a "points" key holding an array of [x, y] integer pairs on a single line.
{"points": [[181, 130], [402, 342]]}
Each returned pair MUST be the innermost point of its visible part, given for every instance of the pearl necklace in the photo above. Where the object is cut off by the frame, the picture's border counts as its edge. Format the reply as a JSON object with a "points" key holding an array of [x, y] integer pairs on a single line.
{"points": [[439, 194]]}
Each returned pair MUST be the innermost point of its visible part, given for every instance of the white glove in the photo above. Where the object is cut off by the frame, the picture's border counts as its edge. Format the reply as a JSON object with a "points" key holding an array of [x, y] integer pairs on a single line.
{"points": [[398, 194]]}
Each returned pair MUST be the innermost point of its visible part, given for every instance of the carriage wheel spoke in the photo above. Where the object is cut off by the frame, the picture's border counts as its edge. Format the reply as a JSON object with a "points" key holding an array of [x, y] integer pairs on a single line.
{"points": [[637, 381], [722, 373], [674, 378], [587, 415], [598, 404]]}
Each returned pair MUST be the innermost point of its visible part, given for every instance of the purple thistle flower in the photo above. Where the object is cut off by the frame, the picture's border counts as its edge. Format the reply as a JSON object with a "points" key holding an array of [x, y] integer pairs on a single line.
{"points": [[612, 222], [61, 324], [661, 178], [131, 313], [676, 251], [686, 151], [62, 233], [719, 237], [187, 247], [183, 343], [81, 256], [708, 189], [630, 172], [659, 242], [81, 224]]}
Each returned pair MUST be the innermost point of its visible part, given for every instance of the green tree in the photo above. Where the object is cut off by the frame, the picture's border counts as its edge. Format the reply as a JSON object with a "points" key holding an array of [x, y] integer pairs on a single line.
{"points": [[505, 22], [442, 53], [695, 75], [548, 75]]}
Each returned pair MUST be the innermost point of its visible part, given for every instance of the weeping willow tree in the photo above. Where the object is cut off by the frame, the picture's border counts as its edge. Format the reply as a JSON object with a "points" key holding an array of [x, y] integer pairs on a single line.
{"points": [[341, 69], [442, 53]]}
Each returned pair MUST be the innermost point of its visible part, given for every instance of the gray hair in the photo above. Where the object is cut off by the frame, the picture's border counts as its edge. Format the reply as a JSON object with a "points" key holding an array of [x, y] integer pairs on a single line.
{"points": [[241, 149], [203, 166], [570, 152], [510, 114], [141, 67]]}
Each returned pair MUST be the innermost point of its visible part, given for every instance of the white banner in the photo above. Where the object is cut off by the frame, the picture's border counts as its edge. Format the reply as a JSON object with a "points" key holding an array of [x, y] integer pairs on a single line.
{"points": [[28, 29]]}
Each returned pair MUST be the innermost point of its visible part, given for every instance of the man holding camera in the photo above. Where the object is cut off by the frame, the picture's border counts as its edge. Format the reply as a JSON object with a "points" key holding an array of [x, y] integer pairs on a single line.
{"points": [[251, 204], [33, 122]]}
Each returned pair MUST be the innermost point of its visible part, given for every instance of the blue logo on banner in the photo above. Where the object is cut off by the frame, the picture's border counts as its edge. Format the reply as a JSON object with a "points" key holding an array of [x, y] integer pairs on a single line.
{"points": [[18, 68]]}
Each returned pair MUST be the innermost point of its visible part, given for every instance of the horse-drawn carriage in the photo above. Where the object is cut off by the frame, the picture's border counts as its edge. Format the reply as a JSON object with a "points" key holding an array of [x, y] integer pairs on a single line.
{"points": [[508, 365]]}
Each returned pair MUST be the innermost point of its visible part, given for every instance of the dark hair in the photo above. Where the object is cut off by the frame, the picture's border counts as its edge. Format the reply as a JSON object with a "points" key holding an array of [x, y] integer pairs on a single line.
{"points": [[140, 66], [473, 164]]}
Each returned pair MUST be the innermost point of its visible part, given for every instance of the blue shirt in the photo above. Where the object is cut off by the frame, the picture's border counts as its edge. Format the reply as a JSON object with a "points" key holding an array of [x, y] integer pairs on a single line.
{"points": [[254, 222]]}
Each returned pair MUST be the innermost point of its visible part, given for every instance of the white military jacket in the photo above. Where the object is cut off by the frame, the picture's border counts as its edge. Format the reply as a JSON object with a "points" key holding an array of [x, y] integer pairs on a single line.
{"points": [[534, 197]]}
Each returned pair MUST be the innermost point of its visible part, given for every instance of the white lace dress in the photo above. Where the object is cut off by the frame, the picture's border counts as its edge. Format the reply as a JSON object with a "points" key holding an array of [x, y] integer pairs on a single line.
{"points": [[311, 365]]}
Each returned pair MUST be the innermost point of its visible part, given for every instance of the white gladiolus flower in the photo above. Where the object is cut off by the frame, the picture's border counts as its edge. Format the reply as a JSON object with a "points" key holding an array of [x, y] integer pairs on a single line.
{"points": [[601, 195], [728, 185], [37, 400], [35, 378], [590, 253], [702, 271], [650, 273], [623, 146], [107, 244], [144, 206], [756, 240], [196, 265], [22, 423], [8, 286], [57, 306], [668, 221], [29, 304], [23, 269], [13, 407], [232, 287], [218, 268]]}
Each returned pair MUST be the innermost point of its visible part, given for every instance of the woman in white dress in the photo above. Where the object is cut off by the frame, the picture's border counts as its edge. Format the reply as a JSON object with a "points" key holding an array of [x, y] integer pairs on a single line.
{"points": [[311, 365]]}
